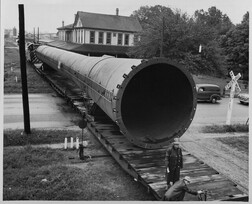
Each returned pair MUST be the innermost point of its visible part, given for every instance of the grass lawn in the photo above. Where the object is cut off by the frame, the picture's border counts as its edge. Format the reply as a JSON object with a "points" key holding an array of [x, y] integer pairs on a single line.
{"points": [[226, 128], [12, 70], [34, 173], [46, 174], [239, 143], [16, 137]]}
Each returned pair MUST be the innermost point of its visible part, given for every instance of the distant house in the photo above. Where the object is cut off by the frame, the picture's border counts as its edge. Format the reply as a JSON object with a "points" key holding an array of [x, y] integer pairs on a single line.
{"points": [[100, 34]]}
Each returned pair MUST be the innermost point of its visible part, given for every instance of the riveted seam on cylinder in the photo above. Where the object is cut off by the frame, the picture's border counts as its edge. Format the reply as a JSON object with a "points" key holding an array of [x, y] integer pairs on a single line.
{"points": [[123, 132], [144, 60], [125, 76], [115, 111]]}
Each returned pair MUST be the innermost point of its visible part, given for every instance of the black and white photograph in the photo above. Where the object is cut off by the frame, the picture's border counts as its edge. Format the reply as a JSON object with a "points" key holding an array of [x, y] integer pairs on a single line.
{"points": [[109, 100]]}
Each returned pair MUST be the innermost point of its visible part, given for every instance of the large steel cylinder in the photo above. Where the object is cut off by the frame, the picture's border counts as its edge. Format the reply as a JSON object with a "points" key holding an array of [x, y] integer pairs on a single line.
{"points": [[152, 101]]}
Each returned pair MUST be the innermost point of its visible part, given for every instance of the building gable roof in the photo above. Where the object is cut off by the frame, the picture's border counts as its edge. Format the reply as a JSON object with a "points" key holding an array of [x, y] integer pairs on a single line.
{"points": [[66, 27], [108, 22]]}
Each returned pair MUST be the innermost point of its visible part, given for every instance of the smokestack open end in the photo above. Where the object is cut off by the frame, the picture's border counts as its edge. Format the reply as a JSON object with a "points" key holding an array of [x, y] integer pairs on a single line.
{"points": [[156, 103]]}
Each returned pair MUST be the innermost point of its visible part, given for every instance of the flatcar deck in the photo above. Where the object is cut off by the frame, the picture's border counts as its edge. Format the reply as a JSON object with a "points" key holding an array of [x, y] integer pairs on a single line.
{"points": [[147, 166]]}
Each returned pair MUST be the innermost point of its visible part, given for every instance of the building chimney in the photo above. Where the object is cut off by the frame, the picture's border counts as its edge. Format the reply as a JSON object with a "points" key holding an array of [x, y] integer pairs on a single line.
{"points": [[63, 24], [117, 11]]}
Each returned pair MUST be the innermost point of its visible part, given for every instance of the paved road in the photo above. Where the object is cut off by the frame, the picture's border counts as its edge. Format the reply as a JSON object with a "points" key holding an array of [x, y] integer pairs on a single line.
{"points": [[208, 113], [46, 111]]}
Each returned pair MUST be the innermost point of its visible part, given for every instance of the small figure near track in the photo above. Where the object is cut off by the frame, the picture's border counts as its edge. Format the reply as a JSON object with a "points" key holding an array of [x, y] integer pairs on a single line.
{"points": [[177, 191], [173, 163]]}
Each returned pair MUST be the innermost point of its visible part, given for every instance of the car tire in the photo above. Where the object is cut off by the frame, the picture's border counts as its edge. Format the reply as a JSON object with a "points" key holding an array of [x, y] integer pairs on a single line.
{"points": [[214, 100]]}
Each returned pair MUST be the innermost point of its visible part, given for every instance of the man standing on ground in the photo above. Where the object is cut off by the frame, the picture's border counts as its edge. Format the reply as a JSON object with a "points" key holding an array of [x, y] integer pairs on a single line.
{"points": [[178, 190], [173, 163]]}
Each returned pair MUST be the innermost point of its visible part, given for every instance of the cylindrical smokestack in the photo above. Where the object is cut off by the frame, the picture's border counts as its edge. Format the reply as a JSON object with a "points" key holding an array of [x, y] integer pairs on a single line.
{"points": [[63, 24], [152, 101], [117, 11]]}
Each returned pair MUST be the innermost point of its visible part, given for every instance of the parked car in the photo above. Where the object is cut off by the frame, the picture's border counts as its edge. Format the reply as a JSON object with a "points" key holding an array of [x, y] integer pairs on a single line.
{"points": [[208, 92], [244, 98]]}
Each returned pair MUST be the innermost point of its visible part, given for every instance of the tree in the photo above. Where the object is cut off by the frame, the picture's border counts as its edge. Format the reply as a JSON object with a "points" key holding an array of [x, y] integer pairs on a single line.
{"points": [[145, 14], [158, 19], [180, 37], [236, 46], [213, 20]]}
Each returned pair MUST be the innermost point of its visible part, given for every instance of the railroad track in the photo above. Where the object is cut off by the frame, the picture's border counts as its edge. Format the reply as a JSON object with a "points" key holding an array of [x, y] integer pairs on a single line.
{"points": [[145, 165]]}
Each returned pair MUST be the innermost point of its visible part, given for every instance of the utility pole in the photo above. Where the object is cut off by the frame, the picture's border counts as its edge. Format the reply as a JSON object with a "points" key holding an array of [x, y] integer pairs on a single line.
{"points": [[34, 37], [23, 69], [38, 34], [162, 38]]}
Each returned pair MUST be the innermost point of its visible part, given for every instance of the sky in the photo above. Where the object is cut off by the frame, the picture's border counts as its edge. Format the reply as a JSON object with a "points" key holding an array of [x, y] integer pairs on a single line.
{"points": [[49, 14]]}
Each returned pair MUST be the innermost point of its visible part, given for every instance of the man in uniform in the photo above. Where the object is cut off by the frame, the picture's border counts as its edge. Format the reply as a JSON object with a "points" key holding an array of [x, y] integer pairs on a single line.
{"points": [[173, 163], [177, 191]]}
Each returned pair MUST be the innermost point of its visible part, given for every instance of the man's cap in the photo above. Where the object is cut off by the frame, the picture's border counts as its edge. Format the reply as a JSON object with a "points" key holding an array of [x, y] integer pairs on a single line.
{"points": [[176, 141], [187, 178]]}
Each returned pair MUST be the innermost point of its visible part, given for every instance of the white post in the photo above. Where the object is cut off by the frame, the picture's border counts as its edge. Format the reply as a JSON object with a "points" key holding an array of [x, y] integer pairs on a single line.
{"points": [[65, 145], [16, 79], [77, 143], [230, 105], [233, 84], [200, 47], [12, 69], [71, 145]]}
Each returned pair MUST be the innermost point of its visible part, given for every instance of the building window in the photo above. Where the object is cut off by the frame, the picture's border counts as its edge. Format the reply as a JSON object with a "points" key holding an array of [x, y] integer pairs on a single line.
{"points": [[126, 39], [119, 42], [108, 41], [100, 41], [114, 34], [92, 37]]}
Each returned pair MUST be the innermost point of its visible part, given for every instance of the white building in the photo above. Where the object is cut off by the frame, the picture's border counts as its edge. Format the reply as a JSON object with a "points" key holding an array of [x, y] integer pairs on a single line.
{"points": [[111, 32]]}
